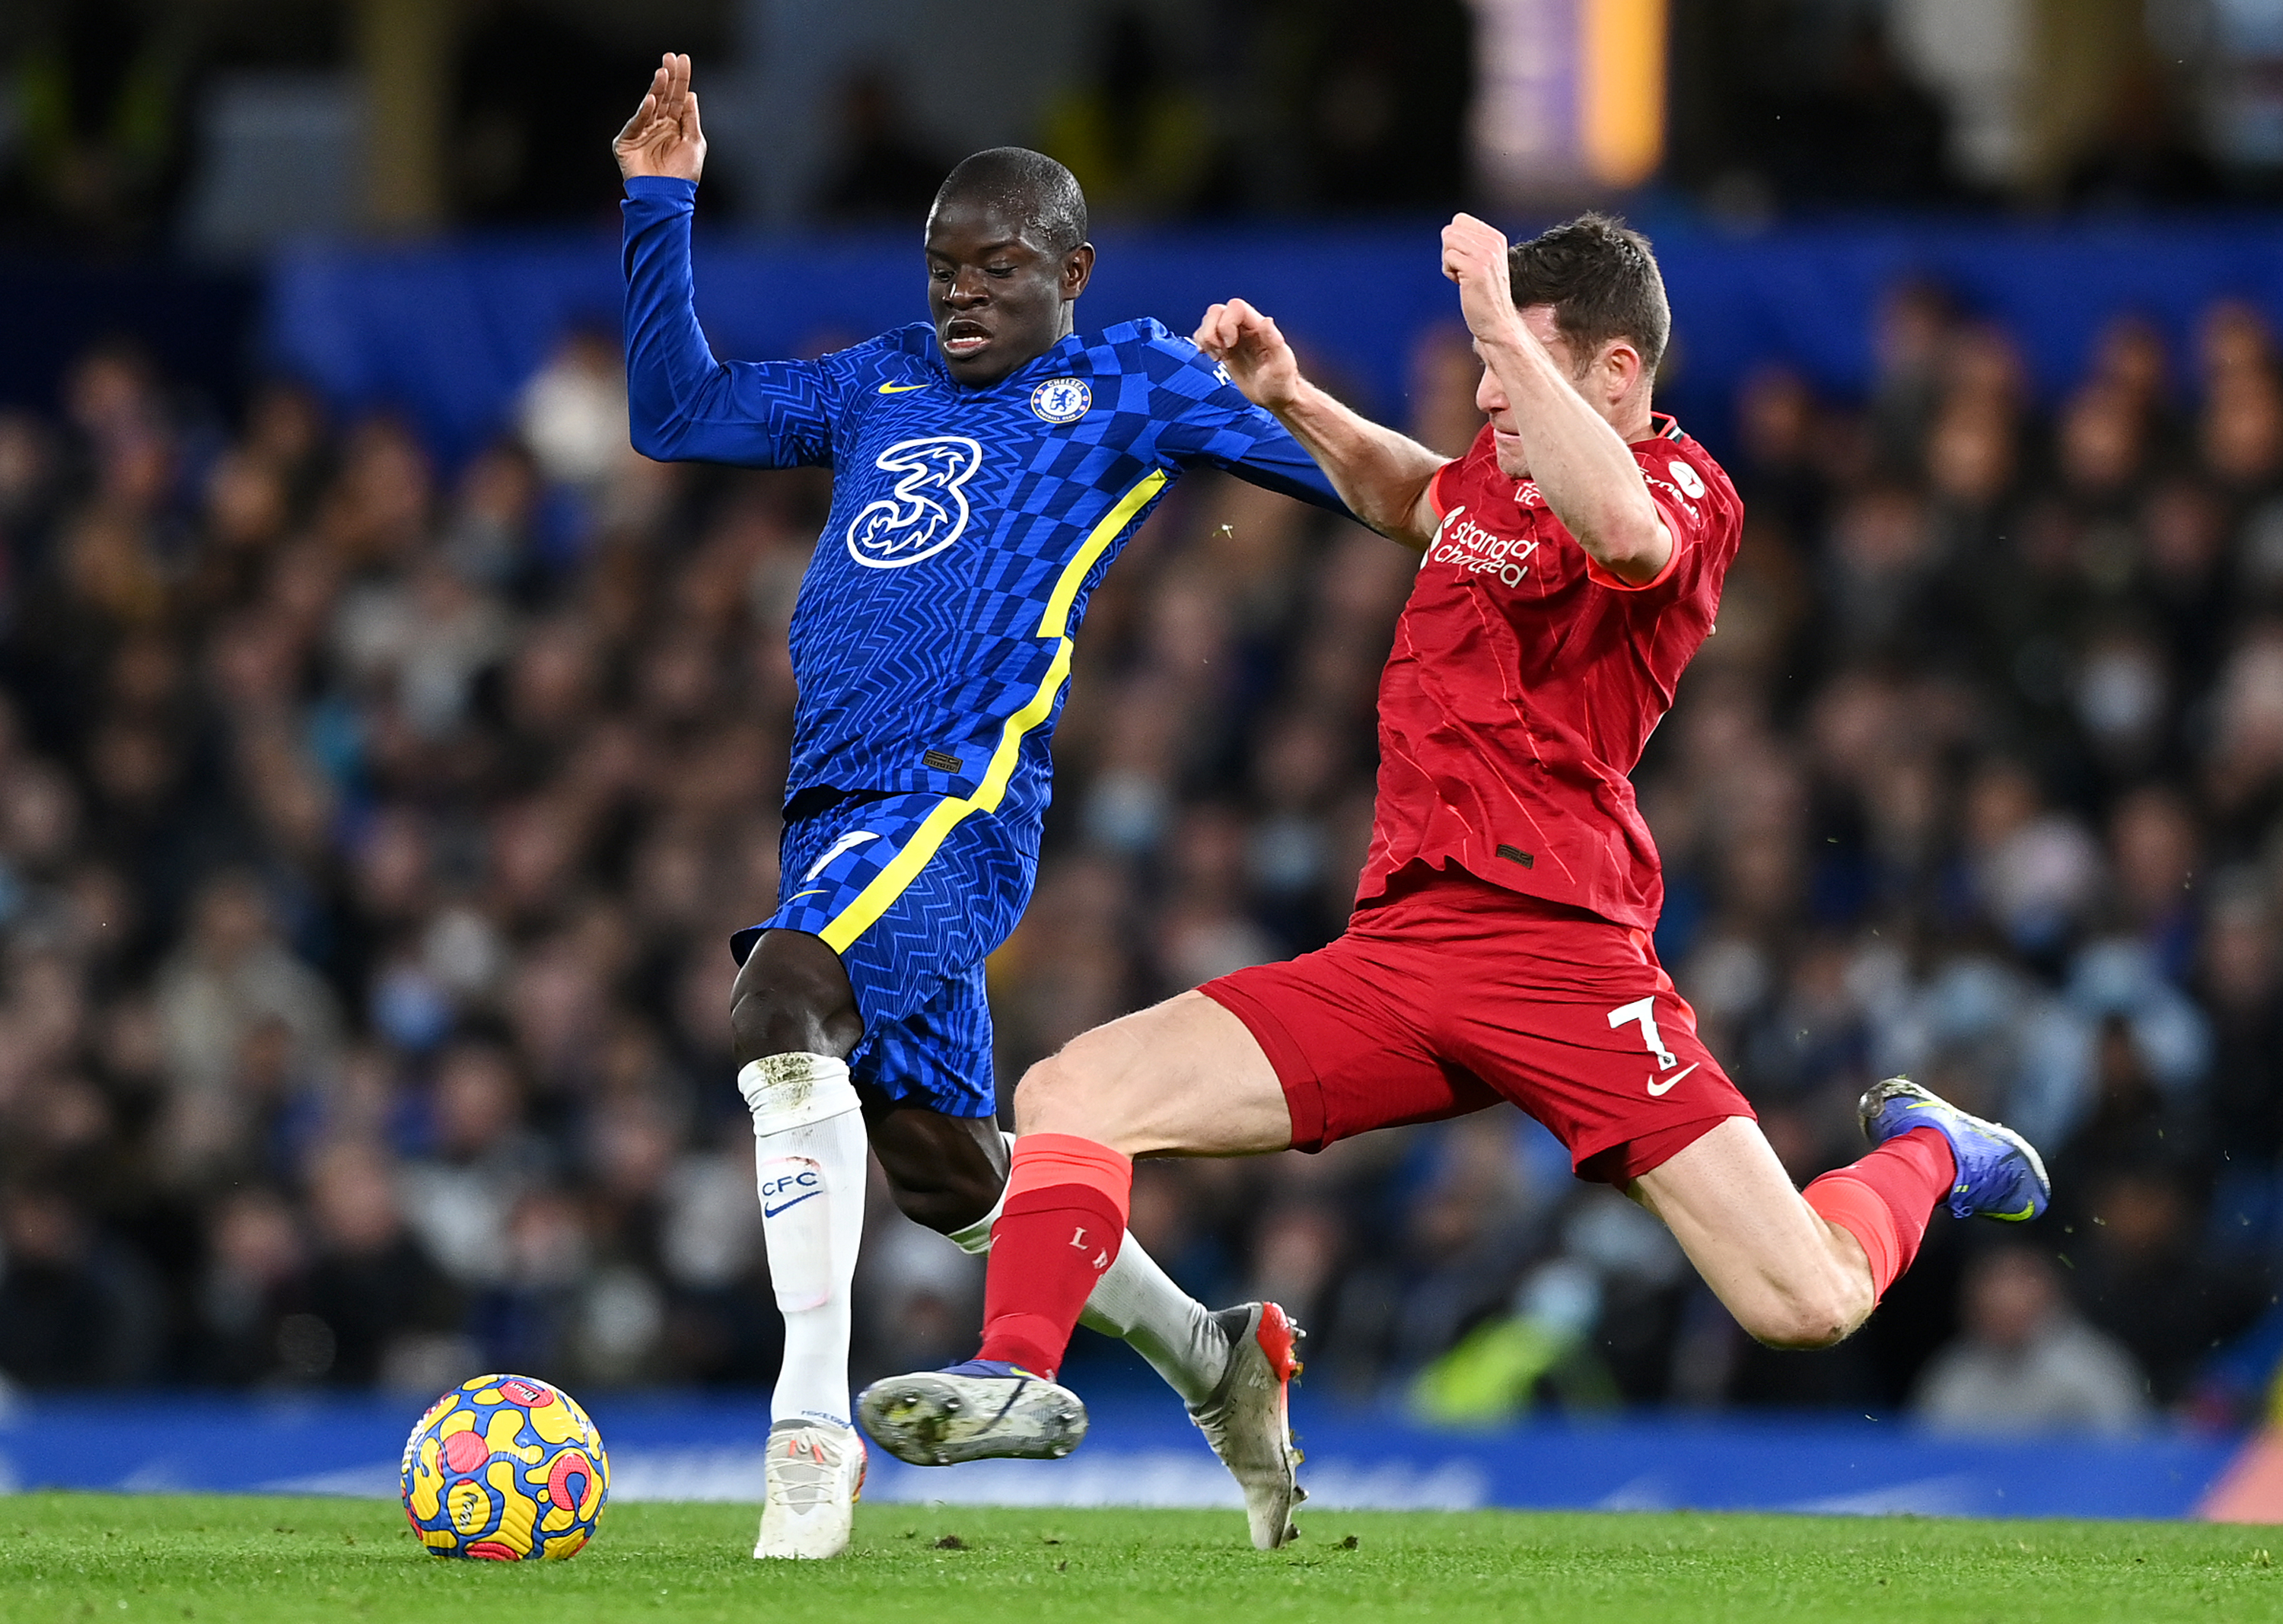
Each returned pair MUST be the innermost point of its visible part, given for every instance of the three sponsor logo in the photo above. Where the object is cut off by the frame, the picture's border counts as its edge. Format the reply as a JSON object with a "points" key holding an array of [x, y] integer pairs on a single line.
{"points": [[926, 511]]}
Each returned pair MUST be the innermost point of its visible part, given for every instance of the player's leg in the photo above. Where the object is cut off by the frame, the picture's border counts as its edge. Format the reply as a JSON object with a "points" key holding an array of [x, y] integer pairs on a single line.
{"points": [[932, 1113], [1058, 1242], [945, 1171], [1184, 1078], [1791, 1277], [1316, 1055], [808, 1007], [1134, 1300], [1575, 1019], [794, 1023], [1803, 1270], [948, 1162]]}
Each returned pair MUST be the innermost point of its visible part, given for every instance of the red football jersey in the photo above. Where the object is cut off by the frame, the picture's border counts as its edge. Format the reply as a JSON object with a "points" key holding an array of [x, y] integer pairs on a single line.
{"points": [[1526, 679]]}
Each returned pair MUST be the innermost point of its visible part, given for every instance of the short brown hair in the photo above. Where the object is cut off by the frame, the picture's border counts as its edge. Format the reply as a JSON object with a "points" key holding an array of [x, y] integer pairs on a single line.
{"points": [[1601, 276]]}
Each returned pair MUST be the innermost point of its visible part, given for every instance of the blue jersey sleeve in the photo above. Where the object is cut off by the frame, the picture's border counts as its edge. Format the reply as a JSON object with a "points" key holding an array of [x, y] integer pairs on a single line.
{"points": [[681, 403], [1210, 421]]}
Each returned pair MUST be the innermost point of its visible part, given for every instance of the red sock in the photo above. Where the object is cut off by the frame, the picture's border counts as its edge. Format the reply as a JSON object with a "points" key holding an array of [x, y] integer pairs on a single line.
{"points": [[1064, 1219], [1885, 1199]]}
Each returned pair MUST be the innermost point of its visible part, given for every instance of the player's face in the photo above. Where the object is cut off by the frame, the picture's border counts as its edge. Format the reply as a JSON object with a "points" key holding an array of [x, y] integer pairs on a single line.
{"points": [[998, 300], [1490, 396]]}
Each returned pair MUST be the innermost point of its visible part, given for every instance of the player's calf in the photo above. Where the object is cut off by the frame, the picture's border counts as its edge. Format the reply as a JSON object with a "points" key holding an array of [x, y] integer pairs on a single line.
{"points": [[944, 1173]]}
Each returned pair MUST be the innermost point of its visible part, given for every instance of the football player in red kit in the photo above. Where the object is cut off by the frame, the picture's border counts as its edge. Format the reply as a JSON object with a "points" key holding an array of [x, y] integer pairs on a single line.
{"points": [[1499, 947]]}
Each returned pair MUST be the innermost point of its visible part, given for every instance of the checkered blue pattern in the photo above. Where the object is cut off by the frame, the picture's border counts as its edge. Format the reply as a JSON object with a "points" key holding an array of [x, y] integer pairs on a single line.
{"points": [[957, 512], [918, 969]]}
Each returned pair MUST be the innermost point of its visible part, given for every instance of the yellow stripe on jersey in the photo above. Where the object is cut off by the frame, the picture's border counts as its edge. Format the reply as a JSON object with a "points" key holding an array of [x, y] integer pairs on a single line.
{"points": [[1056, 621], [891, 882]]}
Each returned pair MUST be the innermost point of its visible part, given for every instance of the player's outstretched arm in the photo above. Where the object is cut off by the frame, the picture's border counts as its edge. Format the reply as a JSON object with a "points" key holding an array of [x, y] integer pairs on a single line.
{"points": [[682, 402], [1583, 468], [1381, 475], [664, 138]]}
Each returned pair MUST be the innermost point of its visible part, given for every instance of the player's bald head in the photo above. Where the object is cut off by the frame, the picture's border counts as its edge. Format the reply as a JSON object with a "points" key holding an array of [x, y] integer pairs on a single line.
{"points": [[1027, 187]]}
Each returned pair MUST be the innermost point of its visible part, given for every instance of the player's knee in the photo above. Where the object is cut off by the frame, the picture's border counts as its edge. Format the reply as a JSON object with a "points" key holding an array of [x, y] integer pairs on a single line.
{"points": [[1061, 1093], [1806, 1317], [764, 1023], [781, 1004]]}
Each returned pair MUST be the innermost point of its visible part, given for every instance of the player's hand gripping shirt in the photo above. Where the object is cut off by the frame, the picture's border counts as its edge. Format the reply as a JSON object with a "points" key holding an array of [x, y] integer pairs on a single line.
{"points": [[931, 636], [1525, 681]]}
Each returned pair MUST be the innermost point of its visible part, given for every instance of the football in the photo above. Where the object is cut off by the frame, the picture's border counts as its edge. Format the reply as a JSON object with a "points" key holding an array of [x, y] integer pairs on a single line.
{"points": [[505, 1469]]}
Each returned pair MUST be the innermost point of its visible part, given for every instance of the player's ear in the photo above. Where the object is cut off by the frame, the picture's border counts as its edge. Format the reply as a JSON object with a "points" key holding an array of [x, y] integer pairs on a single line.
{"points": [[1620, 365], [1077, 271]]}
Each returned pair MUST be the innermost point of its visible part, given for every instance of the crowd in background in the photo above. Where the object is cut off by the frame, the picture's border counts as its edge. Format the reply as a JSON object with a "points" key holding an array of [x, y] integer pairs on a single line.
{"points": [[371, 834]]}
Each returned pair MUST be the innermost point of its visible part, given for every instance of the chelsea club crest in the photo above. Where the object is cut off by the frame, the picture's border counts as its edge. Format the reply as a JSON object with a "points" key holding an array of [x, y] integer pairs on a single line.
{"points": [[1061, 400]]}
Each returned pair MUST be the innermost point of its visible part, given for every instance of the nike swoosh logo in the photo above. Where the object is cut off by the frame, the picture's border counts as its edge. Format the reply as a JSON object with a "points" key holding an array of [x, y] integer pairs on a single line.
{"points": [[771, 1211], [847, 842], [818, 891], [1661, 1090], [2028, 1210], [900, 388]]}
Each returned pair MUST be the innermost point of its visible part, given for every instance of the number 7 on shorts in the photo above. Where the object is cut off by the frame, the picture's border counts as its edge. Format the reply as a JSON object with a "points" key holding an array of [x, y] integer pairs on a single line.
{"points": [[1644, 1011]]}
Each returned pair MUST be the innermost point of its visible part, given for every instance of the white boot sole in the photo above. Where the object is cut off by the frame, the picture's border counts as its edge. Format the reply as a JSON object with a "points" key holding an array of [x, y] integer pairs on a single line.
{"points": [[934, 1419]]}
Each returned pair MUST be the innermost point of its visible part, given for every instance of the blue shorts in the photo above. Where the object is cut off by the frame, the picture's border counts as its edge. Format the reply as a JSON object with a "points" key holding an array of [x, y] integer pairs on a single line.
{"points": [[913, 891]]}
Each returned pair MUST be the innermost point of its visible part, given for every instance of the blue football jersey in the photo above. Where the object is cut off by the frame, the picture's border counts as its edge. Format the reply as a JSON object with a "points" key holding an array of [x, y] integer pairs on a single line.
{"points": [[932, 639]]}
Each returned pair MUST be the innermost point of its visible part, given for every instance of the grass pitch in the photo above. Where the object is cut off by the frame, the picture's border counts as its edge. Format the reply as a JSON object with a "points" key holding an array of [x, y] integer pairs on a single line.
{"points": [[222, 1557]]}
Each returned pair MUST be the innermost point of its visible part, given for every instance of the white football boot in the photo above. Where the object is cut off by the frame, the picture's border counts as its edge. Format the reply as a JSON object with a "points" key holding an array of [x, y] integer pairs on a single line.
{"points": [[816, 1473], [983, 1409], [1248, 1421]]}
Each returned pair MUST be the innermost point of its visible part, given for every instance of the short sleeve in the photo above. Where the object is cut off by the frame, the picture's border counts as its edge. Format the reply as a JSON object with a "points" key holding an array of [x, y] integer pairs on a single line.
{"points": [[1439, 490], [1683, 506]]}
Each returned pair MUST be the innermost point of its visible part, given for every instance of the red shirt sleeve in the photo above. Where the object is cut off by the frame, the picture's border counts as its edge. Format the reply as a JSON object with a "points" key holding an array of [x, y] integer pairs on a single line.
{"points": [[1438, 494], [1683, 505]]}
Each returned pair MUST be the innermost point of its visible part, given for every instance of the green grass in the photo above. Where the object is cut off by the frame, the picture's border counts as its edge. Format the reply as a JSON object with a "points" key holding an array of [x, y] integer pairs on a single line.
{"points": [[229, 1558]]}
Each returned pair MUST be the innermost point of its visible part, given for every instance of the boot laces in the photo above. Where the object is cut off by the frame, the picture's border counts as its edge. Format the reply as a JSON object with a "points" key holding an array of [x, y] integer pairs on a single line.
{"points": [[804, 1470]]}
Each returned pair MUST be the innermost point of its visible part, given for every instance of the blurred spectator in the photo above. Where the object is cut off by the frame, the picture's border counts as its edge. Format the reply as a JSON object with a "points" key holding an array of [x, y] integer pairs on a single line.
{"points": [[75, 1308], [459, 1199], [380, 1310], [2025, 1363], [256, 1276], [2144, 1274]]}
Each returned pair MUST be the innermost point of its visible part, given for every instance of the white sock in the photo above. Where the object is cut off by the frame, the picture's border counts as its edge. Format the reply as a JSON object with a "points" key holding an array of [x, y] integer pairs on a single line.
{"points": [[809, 1157], [1138, 1302]]}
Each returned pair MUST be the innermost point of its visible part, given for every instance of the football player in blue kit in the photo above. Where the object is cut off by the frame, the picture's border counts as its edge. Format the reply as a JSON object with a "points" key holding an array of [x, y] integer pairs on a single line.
{"points": [[988, 467]]}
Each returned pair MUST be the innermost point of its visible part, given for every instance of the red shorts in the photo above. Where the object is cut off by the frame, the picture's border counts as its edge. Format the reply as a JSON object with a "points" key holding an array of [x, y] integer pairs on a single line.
{"points": [[1449, 994]]}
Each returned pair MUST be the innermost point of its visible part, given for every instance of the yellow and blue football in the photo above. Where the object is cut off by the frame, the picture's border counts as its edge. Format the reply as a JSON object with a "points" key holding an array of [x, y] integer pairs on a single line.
{"points": [[505, 1469]]}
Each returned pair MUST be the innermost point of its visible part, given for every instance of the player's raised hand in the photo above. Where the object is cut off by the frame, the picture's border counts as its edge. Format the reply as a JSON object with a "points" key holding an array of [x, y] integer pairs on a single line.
{"points": [[1474, 256], [664, 136], [1255, 352]]}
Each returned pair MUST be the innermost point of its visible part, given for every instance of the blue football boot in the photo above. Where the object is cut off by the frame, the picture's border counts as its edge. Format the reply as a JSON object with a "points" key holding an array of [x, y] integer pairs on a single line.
{"points": [[983, 1409], [2000, 1173]]}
